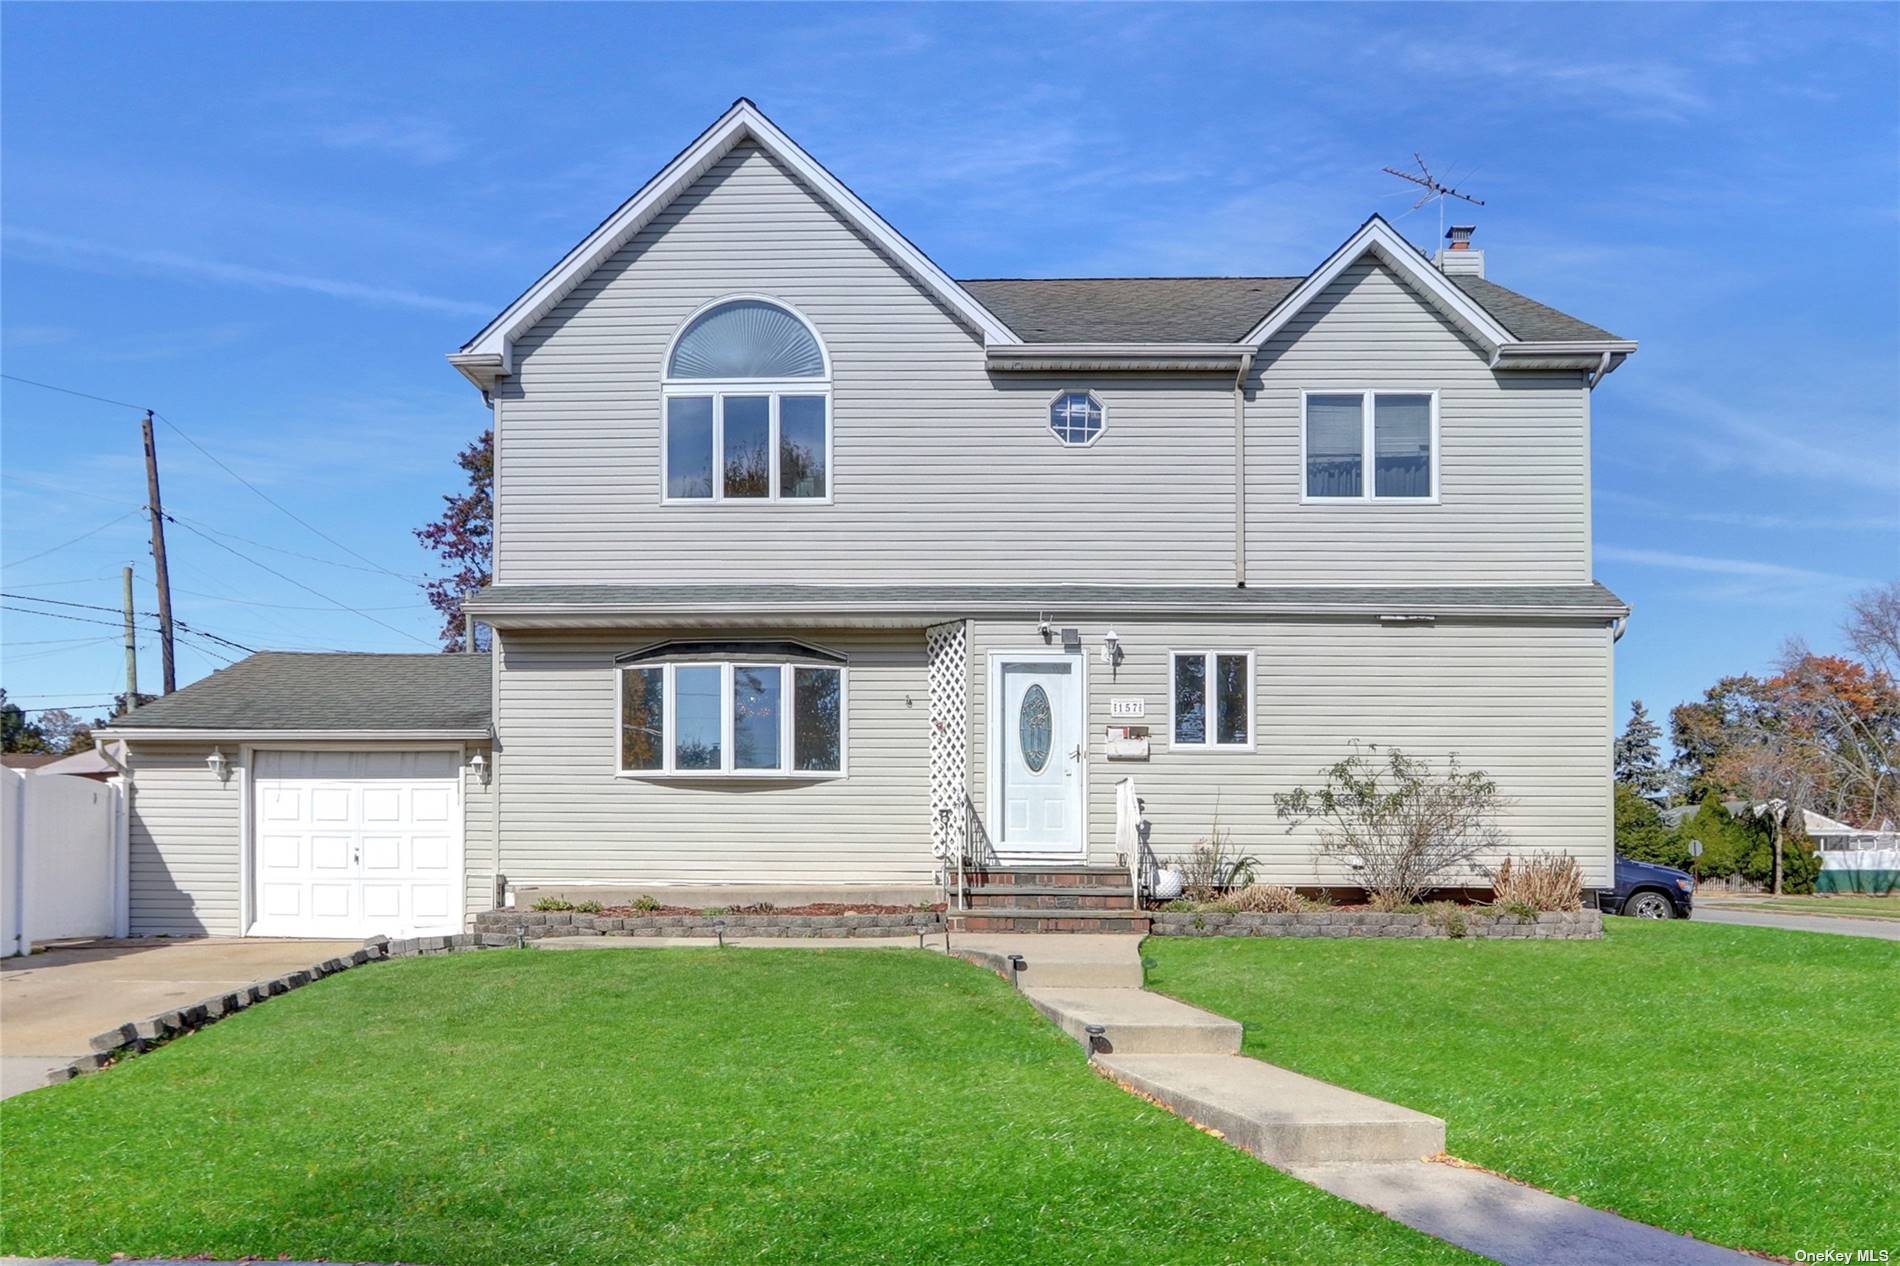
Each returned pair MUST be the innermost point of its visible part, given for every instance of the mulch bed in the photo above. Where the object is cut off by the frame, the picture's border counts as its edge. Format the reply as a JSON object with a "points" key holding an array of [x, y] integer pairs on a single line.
{"points": [[817, 907]]}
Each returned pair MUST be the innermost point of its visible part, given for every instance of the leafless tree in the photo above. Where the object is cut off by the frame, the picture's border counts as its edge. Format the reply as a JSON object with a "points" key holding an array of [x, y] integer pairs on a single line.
{"points": [[1873, 627]]}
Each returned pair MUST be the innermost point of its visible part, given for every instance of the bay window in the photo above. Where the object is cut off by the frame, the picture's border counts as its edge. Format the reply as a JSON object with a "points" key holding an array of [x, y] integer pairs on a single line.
{"points": [[1370, 446], [690, 713]]}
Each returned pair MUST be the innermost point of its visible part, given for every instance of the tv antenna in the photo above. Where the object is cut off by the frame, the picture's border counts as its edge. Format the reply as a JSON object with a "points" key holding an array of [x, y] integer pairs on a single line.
{"points": [[1435, 189]]}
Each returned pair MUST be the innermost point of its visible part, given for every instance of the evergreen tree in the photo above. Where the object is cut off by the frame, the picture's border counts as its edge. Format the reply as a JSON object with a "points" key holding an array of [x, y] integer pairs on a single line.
{"points": [[1638, 759]]}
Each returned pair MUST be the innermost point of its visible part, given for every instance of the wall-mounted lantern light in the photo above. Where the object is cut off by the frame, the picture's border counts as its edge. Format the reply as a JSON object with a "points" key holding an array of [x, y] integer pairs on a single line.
{"points": [[1111, 649], [478, 765], [220, 767]]}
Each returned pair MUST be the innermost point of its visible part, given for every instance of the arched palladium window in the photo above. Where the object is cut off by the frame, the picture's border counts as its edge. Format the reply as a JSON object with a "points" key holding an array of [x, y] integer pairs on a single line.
{"points": [[1077, 417], [748, 404]]}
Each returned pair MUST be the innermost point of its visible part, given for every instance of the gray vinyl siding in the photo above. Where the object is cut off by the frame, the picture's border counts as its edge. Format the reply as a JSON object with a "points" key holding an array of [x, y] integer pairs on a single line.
{"points": [[184, 842], [567, 818], [939, 471], [478, 839], [1514, 493], [1527, 703]]}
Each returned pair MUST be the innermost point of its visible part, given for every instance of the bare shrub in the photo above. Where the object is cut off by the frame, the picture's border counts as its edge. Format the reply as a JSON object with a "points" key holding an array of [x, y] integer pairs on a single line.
{"points": [[1268, 899], [1545, 881], [1213, 865], [1402, 828]]}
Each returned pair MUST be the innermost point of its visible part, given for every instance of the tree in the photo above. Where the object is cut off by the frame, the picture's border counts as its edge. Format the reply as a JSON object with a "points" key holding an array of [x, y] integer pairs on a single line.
{"points": [[1404, 829], [1873, 627], [59, 728], [1638, 760], [462, 538], [17, 734], [82, 737], [1640, 833]]}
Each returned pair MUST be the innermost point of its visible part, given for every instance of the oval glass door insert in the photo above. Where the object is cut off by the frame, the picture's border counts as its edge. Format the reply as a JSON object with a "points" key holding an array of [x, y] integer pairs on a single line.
{"points": [[1033, 728]]}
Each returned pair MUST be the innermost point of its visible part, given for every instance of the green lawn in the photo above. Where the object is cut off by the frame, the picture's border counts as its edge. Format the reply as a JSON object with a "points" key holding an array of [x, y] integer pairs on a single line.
{"points": [[1734, 1083], [651, 1106], [1859, 907]]}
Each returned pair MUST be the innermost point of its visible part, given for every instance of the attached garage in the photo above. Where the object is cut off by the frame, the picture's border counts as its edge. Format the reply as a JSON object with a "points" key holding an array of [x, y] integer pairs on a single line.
{"points": [[315, 795]]}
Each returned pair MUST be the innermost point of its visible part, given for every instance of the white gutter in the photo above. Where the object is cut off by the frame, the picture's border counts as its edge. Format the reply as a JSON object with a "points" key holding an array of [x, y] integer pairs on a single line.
{"points": [[1209, 357], [227, 735]]}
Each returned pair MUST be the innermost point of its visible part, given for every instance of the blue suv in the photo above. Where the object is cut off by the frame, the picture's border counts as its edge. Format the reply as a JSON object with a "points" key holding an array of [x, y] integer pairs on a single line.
{"points": [[1645, 890]]}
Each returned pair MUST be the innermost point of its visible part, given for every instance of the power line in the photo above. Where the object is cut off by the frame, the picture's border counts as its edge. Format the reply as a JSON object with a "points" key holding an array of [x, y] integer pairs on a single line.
{"points": [[219, 463], [277, 504], [93, 606], [68, 391], [62, 707], [21, 562], [278, 549], [344, 606]]}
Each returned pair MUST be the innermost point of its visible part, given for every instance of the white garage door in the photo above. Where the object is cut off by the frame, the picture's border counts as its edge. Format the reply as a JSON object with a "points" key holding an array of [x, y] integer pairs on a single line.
{"points": [[352, 844]]}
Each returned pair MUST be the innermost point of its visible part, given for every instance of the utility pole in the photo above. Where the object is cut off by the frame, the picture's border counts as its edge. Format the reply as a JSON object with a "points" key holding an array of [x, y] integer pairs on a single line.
{"points": [[131, 650], [157, 507]]}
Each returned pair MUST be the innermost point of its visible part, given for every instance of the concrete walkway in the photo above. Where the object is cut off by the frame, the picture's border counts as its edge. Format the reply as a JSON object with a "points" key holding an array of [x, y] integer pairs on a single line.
{"points": [[52, 1003], [1834, 924], [1362, 1149]]}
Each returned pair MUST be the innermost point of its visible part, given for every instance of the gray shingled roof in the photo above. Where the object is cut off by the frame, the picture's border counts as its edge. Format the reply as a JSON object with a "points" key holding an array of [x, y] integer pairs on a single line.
{"points": [[285, 690], [950, 600], [1528, 319], [1208, 309], [1132, 309]]}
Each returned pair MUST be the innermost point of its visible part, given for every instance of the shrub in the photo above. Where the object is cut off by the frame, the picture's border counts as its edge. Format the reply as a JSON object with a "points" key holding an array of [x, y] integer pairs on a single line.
{"points": [[552, 905], [1212, 866], [1402, 827], [1546, 881], [1641, 835], [1269, 899], [646, 904], [587, 907], [1447, 916]]}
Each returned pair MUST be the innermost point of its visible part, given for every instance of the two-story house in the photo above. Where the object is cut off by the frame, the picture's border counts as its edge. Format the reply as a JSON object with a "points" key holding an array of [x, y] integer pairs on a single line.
{"points": [[814, 566]]}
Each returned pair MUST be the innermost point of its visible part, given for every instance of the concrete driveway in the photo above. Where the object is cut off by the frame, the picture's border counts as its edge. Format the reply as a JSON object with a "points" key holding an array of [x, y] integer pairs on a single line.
{"points": [[1838, 925], [52, 1004]]}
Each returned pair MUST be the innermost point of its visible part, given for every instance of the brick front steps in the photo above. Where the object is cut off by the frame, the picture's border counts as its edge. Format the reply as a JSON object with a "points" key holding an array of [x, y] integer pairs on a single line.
{"points": [[536, 925], [1575, 925], [1047, 898]]}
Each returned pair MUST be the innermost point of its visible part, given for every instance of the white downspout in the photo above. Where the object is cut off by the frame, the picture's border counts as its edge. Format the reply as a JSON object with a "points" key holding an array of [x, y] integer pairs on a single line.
{"points": [[1240, 468]]}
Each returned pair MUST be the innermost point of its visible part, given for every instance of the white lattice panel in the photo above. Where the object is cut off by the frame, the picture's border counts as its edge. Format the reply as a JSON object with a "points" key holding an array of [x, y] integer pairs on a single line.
{"points": [[948, 646]]}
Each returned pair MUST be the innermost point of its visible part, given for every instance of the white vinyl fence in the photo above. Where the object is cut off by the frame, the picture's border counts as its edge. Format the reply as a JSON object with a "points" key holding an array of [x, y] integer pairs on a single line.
{"points": [[62, 859]]}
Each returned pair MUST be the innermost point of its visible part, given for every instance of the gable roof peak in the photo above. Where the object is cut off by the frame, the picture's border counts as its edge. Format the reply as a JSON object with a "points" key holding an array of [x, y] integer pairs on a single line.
{"points": [[490, 354]]}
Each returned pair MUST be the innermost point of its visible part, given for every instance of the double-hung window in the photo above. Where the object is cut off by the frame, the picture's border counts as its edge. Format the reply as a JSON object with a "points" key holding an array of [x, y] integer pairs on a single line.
{"points": [[748, 408], [1371, 446], [1211, 694], [737, 710]]}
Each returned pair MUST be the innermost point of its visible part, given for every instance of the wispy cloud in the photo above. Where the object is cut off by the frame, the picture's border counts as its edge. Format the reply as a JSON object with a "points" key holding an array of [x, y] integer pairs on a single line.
{"points": [[1645, 89], [1707, 565], [1835, 442], [412, 138], [77, 252], [1770, 522]]}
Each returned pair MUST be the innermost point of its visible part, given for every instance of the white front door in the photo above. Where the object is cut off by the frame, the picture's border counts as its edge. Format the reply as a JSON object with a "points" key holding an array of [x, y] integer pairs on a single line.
{"points": [[1039, 753], [348, 844]]}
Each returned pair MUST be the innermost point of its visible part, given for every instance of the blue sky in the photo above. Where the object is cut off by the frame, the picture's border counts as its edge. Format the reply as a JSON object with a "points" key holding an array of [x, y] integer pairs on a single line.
{"points": [[270, 222]]}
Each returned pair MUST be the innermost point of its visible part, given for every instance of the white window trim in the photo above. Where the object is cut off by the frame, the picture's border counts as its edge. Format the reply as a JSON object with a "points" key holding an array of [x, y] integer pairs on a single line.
{"points": [[720, 388], [1049, 422], [1208, 705], [1367, 476], [785, 771]]}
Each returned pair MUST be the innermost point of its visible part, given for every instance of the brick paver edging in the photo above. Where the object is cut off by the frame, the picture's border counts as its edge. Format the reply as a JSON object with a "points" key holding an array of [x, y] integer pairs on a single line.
{"points": [[1573, 925], [535, 925]]}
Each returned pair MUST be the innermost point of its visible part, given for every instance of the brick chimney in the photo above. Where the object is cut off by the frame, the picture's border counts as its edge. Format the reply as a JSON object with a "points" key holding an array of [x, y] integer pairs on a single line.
{"points": [[1457, 258]]}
